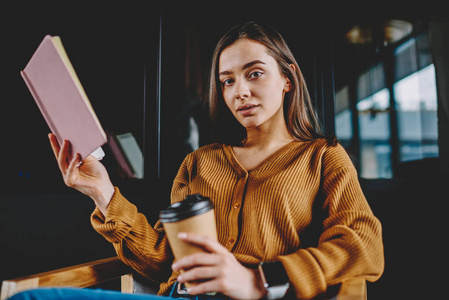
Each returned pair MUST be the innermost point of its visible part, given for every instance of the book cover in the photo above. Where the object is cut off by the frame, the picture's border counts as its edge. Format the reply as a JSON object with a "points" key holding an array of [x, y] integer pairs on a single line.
{"points": [[132, 152], [128, 154], [58, 93], [125, 167]]}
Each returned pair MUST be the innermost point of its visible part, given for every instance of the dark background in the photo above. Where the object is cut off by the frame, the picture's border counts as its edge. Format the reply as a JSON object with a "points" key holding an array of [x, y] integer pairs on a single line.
{"points": [[117, 51]]}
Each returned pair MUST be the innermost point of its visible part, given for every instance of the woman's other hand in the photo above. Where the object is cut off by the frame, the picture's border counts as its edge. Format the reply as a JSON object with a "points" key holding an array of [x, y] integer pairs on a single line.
{"points": [[88, 176], [218, 271]]}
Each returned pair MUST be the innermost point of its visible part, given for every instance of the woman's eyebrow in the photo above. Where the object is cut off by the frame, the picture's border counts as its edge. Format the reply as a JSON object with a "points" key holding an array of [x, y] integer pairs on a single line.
{"points": [[224, 73], [245, 66], [250, 64]]}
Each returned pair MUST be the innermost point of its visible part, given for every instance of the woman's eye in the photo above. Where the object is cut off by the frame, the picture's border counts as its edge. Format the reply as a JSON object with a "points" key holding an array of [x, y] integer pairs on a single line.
{"points": [[227, 82], [255, 74]]}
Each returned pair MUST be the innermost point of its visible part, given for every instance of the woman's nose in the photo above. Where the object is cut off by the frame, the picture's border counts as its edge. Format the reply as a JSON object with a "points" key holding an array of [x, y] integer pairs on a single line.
{"points": [[242, 92]]}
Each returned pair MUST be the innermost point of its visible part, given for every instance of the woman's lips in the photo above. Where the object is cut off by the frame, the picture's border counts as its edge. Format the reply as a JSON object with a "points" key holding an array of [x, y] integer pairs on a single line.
{"points": [[247, 109]]}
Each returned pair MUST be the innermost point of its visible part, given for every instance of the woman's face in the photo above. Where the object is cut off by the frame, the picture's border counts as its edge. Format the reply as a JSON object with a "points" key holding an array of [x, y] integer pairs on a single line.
{"points": [[252, 85]]}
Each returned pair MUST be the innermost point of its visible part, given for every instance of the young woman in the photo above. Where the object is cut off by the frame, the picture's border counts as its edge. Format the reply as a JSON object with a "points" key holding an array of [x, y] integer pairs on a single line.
{"points": [[284, 196]]}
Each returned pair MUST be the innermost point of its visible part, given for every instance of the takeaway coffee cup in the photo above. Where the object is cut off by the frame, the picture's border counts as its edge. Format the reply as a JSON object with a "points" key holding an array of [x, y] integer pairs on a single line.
{"points": [[195, 214]]}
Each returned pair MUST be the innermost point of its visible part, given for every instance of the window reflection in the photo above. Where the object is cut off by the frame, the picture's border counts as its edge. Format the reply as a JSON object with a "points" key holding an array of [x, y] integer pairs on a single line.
{"points": [[343, 116], [416, 103], [386, 103], [374, 122]]}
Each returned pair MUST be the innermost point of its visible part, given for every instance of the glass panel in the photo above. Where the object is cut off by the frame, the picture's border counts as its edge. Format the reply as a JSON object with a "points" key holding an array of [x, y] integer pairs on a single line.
{"points": [[372, 72], [374, 124], [343, 116], [343, 124], [416, 104]]}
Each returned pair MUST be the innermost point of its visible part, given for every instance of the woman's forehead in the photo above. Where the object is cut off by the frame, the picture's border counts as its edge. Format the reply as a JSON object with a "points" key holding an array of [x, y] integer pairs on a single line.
{"points": [[241, 53]]}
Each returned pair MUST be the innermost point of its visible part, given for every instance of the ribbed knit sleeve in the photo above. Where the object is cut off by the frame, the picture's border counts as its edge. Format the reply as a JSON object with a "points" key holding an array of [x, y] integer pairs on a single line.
{"points": [[181, 184], [350, 245], [137, 244]]}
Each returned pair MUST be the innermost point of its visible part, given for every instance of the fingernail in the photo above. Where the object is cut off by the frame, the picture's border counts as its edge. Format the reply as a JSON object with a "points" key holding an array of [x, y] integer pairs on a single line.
{"points": [[80, 163]]}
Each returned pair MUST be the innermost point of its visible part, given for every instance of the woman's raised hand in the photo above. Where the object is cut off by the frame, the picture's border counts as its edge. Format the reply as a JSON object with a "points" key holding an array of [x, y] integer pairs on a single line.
{"points": [[88, 176], [217, 271]]}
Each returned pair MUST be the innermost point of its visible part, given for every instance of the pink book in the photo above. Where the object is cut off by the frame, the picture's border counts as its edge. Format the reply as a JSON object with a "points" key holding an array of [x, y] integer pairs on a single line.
{"points": [[58, 93]]}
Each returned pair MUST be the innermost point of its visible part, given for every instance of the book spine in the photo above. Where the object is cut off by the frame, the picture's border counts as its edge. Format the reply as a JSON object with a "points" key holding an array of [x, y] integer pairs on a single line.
{"points": [[40, 106]]}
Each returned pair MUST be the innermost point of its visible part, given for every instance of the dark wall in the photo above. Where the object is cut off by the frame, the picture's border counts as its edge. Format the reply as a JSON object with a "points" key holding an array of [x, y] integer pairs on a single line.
{"points": [[44, 231], [413, 217]]}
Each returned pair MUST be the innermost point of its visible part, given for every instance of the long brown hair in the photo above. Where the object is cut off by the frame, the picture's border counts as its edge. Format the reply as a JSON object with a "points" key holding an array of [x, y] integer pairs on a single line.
{"points": [[300, 116]]}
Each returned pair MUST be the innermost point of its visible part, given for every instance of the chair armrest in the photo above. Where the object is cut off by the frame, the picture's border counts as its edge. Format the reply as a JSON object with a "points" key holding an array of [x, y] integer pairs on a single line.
{"points": [[83, 275], [352, 290], [103, 270]]}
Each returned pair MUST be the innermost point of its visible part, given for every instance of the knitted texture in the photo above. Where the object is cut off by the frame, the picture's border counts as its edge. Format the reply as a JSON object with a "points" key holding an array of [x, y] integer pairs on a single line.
{"points": [[302, 206]]}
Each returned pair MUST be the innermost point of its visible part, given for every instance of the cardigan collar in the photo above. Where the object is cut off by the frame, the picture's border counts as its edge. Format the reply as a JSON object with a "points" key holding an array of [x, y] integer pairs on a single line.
{"points": [[273, 163]]}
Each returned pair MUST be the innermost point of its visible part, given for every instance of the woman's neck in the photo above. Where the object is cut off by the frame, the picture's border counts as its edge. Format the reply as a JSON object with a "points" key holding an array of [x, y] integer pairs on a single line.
{"points": [[260, 144], [264, 137]]}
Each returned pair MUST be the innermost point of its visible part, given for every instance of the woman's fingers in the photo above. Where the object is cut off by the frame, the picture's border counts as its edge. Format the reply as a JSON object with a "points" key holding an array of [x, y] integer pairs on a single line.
{"points": [[71, 175], [54, 144], [62, 153], [214, 248], [205, 242], [64, 157], [216, 270], [196, 259], [199, 274], [205, 287], [201, 267]]}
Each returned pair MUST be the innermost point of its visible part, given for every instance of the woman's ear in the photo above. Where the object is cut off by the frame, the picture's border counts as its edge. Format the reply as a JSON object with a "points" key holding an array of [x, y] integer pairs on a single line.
{"points": [[288, 84]]}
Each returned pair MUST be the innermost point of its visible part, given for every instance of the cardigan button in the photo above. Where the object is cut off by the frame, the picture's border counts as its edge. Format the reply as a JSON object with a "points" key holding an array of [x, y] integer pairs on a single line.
{"points": [[237, 206], [231, 241]]}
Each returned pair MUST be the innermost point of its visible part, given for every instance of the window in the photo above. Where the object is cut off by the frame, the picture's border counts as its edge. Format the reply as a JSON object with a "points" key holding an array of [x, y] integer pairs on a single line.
{"points": [[374, 124], [416, 104], [387, 115], [343, 116]]}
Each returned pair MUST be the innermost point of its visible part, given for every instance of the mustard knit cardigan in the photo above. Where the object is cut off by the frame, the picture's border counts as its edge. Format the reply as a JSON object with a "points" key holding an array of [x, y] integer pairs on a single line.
{"points": [[302, 206]]}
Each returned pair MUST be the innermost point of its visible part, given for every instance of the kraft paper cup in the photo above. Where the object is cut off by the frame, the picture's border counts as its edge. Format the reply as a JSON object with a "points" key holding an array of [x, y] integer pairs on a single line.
{"points": [[195, 214]]}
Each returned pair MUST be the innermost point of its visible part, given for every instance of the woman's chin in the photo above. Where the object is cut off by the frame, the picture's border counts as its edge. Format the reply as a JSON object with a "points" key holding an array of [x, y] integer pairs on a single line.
{"points": [[249, 124]]}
